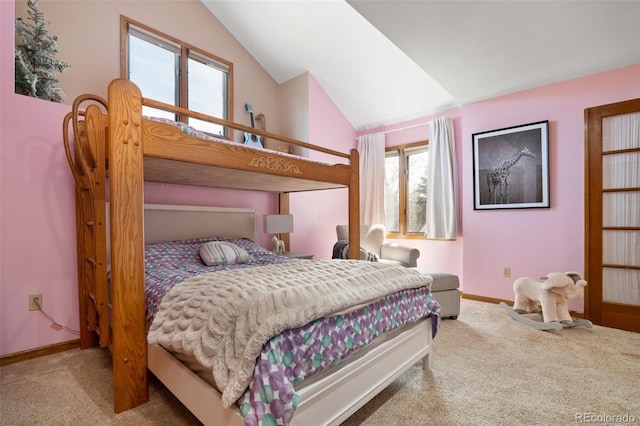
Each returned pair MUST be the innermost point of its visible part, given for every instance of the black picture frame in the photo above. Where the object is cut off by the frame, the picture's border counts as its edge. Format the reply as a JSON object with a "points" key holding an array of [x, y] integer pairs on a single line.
{"points": [[517, 156]]}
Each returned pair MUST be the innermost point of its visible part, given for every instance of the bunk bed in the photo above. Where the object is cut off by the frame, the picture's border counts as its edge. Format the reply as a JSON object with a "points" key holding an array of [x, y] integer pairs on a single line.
{"points": [[114, 150]]}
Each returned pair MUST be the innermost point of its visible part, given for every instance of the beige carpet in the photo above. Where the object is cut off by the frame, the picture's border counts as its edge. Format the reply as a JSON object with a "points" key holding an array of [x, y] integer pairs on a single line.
{"points": [[487, 369]]}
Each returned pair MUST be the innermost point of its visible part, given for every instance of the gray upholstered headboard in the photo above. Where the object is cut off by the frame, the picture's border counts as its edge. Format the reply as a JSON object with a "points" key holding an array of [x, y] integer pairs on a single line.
{"points": [[163, 222], [168, 222]]}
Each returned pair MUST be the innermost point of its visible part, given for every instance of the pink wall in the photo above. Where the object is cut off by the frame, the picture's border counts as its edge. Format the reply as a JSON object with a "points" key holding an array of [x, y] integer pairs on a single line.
{"points": [[37, 216], [531, 242], [536, 241], [317, 213]]}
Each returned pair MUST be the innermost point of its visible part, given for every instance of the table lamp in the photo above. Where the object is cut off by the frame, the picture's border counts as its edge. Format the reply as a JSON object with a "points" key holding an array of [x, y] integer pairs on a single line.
{"points": [[278, 224]]}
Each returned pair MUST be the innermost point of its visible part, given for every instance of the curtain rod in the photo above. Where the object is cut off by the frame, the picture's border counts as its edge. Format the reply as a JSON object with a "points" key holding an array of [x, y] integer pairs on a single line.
{"points": [[405, 128]]}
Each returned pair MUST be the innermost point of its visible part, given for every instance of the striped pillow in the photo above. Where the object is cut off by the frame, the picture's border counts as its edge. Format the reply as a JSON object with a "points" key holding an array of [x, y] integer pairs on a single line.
{"points": [[222, 253]]}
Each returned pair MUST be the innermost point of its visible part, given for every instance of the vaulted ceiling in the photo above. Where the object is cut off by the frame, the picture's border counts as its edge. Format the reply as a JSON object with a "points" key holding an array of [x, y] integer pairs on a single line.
{"points": [[387, 61]]}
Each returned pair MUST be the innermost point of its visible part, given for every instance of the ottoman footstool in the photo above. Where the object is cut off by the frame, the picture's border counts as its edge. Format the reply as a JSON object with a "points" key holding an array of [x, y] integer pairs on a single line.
{"points": [[445, 291]]}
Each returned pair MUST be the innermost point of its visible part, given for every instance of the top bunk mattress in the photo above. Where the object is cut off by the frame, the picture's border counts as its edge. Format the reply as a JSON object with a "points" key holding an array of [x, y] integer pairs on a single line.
{"points": [[243, 166]]}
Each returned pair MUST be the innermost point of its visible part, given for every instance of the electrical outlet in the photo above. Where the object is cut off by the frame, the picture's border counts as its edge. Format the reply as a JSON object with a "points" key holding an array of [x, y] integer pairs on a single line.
{"points": [[35, 302], [506, 271]]}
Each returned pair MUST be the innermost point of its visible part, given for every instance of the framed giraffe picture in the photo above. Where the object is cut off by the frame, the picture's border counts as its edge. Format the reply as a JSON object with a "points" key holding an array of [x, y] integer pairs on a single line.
{"points": [[511, 167]]}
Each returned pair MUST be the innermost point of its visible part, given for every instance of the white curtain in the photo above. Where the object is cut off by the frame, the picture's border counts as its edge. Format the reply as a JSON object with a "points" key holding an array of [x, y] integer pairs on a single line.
{"points": [[371, 149], [442, 211]]}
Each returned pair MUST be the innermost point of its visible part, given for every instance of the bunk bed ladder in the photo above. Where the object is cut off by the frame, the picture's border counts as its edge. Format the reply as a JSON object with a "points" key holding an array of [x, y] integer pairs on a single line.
{"points": [[89, 172]]}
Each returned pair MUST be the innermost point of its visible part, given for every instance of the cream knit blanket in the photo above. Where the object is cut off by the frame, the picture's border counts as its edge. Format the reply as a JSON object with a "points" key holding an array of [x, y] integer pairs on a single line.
{"points": [[223, 318]]}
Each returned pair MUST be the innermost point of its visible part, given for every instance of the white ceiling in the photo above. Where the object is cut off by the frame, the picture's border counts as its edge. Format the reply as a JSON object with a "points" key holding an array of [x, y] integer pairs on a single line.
{"points": [[384, 62]]}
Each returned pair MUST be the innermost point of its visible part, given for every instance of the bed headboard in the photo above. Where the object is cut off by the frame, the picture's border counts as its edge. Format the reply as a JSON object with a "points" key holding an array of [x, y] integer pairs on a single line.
{"points": [[164, 222], [168, 222]]}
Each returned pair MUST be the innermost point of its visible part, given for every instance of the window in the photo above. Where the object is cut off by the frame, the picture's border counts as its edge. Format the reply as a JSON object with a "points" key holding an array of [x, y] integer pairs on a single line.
{"points": [[405, 189], [176, 73]]}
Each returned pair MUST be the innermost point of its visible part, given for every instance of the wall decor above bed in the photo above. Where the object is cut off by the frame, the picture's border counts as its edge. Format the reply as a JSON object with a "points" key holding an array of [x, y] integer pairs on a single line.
{"points": [[511, 167]]}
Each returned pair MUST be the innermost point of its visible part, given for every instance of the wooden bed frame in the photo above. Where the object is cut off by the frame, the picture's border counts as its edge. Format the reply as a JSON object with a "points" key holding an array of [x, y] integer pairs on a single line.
{"points": [[111, 139]]}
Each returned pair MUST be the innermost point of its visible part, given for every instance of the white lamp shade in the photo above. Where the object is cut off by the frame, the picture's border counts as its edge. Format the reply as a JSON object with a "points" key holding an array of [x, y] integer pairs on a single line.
{"points": [[278, 223]]}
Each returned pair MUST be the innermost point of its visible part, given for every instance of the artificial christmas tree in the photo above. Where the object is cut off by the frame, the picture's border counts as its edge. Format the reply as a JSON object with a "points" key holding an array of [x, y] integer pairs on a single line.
{"points": [[35, 65]]}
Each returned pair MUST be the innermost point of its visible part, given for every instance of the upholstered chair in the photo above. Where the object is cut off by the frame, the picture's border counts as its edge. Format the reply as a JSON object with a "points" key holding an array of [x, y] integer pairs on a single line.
{"points": [[373, 239]]}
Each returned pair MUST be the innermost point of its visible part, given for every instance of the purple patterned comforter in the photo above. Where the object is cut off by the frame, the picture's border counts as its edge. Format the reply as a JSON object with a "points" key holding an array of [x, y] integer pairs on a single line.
{"points": [[169, 263], [297, 354]]}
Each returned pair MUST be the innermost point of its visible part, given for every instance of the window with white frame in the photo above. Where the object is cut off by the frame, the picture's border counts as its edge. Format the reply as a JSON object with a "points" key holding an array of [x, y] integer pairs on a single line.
{"points": [[405, 189], [176, 73]]}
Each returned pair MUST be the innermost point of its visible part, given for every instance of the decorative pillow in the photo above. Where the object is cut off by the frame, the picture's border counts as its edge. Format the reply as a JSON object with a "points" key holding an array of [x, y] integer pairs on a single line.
{"points": [[366, 255], [341, 251], [222, 253]]}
